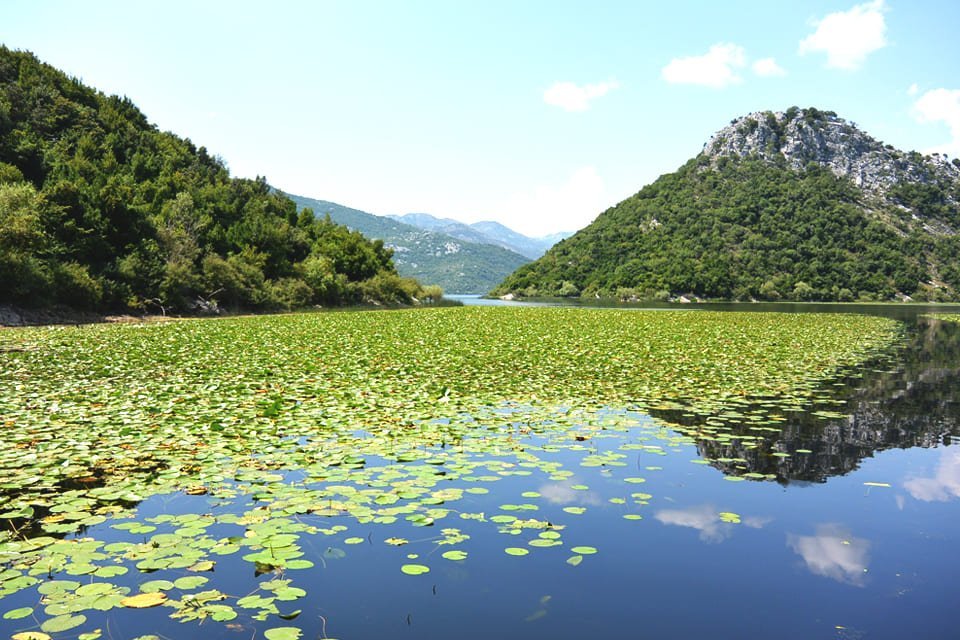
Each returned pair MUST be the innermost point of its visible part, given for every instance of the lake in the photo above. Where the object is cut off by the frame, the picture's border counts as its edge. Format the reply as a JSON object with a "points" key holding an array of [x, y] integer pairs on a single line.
{"points": [[779, 493]]}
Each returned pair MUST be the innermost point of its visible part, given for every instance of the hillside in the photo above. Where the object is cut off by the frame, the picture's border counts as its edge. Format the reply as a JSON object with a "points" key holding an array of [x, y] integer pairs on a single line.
{"points": [[797, 205], [457, 265], [100, 210], [486, 232]]}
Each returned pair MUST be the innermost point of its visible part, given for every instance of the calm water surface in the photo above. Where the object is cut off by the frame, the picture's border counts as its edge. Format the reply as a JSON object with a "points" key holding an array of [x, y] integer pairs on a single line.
{"points": [[851, 532]]}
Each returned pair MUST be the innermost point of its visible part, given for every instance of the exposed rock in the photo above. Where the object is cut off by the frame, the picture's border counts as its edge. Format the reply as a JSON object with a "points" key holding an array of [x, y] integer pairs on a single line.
{"points": [[9, 317], [799, 137]]}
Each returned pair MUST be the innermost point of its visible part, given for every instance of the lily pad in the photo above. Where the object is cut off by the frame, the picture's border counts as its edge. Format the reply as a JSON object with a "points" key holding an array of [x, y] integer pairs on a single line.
{"points": [[283, 633], [415, 569], [145, 600]]}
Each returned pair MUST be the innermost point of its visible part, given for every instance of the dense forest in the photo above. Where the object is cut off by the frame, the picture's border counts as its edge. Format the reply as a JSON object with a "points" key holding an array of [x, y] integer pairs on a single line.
{"points": [[751, 229], [101, 210]]}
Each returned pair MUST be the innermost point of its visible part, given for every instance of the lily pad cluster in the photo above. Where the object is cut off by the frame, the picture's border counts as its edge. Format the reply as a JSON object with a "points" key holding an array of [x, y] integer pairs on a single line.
{"points": [[342, 427]]}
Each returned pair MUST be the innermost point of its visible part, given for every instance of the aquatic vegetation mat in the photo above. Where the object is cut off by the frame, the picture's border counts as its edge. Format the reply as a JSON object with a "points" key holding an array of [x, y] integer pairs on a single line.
{"points": [[289, 443], [948, 317]]}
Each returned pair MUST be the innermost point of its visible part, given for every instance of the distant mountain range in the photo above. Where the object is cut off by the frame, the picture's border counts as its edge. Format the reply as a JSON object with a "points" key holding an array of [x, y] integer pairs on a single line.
{"points": [[464, 262], [798, 205], [487, 232]]}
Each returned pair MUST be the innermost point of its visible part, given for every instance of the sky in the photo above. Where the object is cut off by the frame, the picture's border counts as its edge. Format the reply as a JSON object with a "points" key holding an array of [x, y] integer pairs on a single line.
{"points": [[537, 114]]}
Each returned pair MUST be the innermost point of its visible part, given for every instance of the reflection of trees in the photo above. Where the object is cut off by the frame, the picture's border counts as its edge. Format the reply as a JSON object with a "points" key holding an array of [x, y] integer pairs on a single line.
{"points": [[917, 405]]}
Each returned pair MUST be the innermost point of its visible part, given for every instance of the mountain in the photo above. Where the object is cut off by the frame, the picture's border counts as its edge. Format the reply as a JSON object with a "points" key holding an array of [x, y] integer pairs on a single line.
{"points": [[457, 265], [487, 232], [99, 210], [797, 205]]}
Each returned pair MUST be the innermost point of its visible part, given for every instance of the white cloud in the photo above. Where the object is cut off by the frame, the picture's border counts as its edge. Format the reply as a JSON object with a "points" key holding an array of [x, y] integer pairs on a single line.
{"points": [[716, 69], [941, 105], [547, 208], [943, 486], [768, 68], [833, 553], [571, 97], [847, 37], [913, 90], [564, 493]]}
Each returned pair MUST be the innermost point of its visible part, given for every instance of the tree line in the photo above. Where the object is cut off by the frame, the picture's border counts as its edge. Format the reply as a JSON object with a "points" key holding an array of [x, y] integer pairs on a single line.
{"points": [[101, 210]]}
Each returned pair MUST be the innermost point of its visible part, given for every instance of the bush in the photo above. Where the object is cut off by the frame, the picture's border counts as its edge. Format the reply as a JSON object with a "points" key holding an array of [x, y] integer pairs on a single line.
{"points": [[768, 291], [568, 290], [289, 293], [432, 293], [389, 288], [76, 287]]}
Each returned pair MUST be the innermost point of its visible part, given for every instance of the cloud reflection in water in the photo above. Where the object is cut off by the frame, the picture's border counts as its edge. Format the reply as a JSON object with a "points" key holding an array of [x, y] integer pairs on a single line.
{"points": [[564, 493], [944, 485], [706, 519], [833, 553]]}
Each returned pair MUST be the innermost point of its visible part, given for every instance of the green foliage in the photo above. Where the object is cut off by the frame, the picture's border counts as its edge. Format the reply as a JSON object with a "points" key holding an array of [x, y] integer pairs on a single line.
{"points": [[456, 265], [748, 229], [100, 210]]}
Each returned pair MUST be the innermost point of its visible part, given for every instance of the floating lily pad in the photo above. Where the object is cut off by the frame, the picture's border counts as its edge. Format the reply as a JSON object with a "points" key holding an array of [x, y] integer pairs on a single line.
{"points": [[63, 623], [145, 600], [415, 569], [283, 633]]}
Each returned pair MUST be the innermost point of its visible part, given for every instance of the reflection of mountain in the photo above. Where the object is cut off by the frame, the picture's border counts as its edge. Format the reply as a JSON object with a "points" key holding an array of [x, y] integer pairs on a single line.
{"points": [[917, 405]]}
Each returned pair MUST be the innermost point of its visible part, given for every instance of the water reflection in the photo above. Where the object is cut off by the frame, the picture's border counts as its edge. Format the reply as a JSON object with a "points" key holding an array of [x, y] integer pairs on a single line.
{"points": [[564, 493], [703, 518], [833, 553], [944, 485], [708, 521], [917, 404]]}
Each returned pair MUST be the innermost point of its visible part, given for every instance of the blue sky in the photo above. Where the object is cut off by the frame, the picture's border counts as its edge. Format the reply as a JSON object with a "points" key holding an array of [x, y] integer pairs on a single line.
{"points": [[537, 114]]}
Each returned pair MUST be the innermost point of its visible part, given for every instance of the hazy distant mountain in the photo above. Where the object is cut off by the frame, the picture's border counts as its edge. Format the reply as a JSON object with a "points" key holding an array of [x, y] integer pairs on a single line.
{"points": [[532, 247], [486, 232], [798, 205], [459, 265]]}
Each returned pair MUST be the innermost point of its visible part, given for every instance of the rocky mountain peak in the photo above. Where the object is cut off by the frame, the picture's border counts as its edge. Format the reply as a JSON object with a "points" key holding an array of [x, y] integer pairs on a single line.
{"points": [[798, 137]]}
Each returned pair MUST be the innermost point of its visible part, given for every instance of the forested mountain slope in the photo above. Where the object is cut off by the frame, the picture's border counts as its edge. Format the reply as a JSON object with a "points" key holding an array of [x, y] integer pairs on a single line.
{"points": [[795, 205], [101, 210]]}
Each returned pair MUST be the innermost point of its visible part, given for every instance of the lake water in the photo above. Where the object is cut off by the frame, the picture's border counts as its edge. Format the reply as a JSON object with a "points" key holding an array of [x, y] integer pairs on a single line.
{"points": [[827, 527]]}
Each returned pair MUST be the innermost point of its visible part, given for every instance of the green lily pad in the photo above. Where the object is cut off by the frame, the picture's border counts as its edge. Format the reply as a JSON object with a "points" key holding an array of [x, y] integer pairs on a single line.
{"points": [[283, 633], [415, 569], [63, 623], [16, 614]]}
